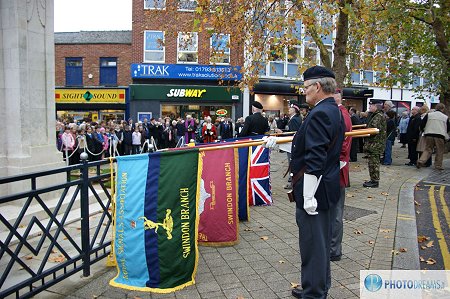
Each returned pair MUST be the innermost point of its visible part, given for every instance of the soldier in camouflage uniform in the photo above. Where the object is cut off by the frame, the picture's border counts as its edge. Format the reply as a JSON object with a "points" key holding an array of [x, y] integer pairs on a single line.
{"points": [[374, 145]]}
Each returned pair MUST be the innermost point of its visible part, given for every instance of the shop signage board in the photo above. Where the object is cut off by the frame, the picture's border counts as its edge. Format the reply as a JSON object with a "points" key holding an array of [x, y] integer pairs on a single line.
{"points": [[185, 71], [68, 96], [182, 92], [144, 115]]}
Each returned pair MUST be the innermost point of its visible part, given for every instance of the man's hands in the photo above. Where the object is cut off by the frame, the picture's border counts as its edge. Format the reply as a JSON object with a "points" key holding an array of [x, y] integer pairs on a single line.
{"points": [[270, 142], [310, 184]]}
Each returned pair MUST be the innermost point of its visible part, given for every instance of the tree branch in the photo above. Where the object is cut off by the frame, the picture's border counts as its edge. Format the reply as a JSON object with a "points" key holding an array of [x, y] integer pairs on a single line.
{"points": [[420, 19]]}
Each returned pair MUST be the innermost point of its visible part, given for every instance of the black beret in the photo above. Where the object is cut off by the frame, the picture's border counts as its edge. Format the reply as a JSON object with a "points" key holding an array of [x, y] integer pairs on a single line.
{"points": [[304, 106], [294, 105], [257, 104], [374, 102], [317, 72]]}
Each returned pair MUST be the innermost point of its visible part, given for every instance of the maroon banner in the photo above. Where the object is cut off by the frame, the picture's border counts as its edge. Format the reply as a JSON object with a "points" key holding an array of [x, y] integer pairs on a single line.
{"points": [[218, 198]]}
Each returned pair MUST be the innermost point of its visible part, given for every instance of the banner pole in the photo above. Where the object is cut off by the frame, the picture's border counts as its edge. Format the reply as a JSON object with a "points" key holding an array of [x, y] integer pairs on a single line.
{"points": [[358, 133], [246, 143]]}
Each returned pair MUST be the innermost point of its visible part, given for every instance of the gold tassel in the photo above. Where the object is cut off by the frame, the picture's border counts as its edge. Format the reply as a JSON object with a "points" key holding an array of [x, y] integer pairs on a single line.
{"points": [[111, 259]]}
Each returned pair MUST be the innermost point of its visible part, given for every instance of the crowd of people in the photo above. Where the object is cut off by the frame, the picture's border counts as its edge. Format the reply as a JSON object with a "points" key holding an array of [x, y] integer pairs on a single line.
{"points": [[411, 129], [112, 138], [116, 138], [103, 139]]}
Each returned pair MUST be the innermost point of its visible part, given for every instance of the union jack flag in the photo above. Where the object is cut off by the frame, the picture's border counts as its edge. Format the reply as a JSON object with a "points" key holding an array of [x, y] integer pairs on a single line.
{"points": [[259, 188]]}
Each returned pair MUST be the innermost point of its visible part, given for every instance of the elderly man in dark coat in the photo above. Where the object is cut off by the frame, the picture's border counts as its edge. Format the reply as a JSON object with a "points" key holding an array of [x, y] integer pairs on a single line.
{"points": [[255, 124], [315, 164]]}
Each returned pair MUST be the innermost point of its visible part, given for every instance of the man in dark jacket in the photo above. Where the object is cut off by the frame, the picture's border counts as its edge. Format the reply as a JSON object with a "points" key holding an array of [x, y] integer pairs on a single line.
{"points": [[255, 124], [315, 150], [295, 121], [282, 121], [225, 128], [127, 140], [154, 131], [412, 136], [355, 141], [293, 125], [315, 154]]}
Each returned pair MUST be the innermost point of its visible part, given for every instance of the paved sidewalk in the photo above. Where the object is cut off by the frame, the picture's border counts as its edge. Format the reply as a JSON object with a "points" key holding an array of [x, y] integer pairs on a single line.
{"points": [[267, 267]]}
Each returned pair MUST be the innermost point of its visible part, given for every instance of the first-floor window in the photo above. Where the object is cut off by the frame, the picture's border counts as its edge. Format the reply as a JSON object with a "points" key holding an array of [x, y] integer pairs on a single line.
{"points": [[74, 71], [108, 71], [154, 4], [187, 5], [154, 46], [187, 47], [220, 48]]}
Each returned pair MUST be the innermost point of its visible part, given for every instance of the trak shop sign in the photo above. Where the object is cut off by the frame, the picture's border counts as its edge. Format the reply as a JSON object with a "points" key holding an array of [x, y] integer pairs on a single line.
{"points": [[68, 96], [183, 71]]}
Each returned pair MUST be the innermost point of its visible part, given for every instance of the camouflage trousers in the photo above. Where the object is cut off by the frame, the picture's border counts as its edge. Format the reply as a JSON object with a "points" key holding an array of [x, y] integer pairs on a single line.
{"points": [[374, 166]]}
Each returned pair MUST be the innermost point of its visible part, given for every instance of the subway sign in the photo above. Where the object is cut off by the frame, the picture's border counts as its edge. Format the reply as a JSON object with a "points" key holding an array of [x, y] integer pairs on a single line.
{"points": [[96, 96], [185, 93], [181, 93]]}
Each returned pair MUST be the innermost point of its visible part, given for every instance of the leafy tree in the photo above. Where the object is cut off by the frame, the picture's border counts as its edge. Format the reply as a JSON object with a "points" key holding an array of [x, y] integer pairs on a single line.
{"points": [[400, 40], [416, 34]]}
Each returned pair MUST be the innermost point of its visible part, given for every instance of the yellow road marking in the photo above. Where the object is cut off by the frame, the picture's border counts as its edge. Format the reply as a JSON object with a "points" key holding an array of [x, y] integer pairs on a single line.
{"points": [[444, 205], [406, 218], [437, 226]]}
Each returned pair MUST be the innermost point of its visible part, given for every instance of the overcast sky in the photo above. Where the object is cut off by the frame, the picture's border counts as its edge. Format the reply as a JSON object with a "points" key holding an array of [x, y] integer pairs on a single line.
{"points": [[92, 15]]}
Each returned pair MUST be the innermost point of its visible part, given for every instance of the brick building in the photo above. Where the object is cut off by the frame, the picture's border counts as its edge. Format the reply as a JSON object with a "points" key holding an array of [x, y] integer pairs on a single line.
{"points": [[92, 74], [176, 71]]}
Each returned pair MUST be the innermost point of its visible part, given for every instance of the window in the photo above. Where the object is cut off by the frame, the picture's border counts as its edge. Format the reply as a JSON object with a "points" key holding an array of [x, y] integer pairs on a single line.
{"points": [[220, 48], [368, 77], [311, 54], [187, 47], [356, 77], [108, 71], [297, 30], [154, 4], [154, 46], [416, 81], [74, 71], [355, 66], [276, 61], [293, 58], [327, 35], [187, 5], [381, 48]]}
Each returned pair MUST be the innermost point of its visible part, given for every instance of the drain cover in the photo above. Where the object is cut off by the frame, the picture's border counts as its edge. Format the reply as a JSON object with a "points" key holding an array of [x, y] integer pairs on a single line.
{"points": [[352, 213]]}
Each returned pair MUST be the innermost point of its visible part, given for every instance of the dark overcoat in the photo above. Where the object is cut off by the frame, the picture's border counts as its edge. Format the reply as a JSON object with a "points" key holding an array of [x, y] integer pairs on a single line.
{"points": [[254, 124], [315, 148]]}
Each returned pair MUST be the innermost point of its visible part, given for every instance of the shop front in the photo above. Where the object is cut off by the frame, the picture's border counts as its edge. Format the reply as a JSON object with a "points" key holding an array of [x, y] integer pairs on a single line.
{"points": [[356, 97], [180, 100], [275, 96], [91, 104]]}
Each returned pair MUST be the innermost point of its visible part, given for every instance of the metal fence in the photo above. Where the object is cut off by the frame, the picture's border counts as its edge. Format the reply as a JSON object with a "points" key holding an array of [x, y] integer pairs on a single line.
{"points": [[48, 233]]}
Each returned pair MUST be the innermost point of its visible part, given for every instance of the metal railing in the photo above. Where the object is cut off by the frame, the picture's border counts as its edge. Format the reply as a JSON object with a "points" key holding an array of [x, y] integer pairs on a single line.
{"points": [[51, 237]]}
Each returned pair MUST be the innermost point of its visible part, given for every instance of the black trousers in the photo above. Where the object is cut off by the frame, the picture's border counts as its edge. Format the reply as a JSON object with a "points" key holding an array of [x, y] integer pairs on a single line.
{"points": [[354, 149], [337, 223], [412, 152], [315, 237]]}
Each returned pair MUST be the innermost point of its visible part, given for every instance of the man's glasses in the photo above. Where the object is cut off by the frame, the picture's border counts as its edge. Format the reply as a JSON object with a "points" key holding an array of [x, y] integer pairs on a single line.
{"points": [[307, 86]]}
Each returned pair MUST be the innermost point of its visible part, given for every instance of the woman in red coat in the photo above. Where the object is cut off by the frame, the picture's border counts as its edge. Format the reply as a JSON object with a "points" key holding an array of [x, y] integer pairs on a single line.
{"points": [[209, 132], [337, 226]]}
